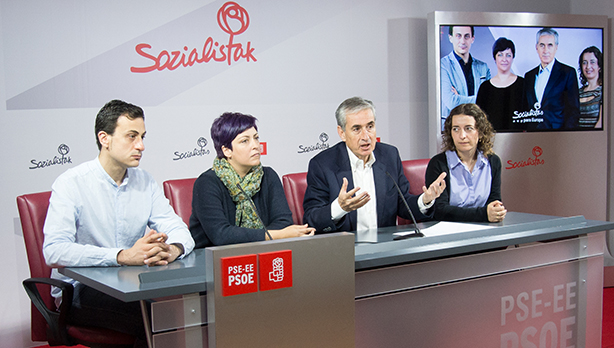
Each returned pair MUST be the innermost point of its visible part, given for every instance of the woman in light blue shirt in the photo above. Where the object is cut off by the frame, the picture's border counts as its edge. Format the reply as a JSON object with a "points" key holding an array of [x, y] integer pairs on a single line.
{"points": [[473, 183]]}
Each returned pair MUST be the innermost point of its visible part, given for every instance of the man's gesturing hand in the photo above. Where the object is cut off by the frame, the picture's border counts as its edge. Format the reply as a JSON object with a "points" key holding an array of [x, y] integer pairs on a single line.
{"points": [[434, 190], [349, 203]]}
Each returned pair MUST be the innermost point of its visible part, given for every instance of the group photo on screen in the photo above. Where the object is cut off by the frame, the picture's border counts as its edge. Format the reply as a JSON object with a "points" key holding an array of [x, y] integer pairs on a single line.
{"points": [[524, 78]]}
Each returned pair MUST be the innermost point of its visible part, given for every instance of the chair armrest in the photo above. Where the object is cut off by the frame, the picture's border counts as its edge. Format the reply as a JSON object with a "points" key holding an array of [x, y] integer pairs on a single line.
{"points": [[56, 320]]}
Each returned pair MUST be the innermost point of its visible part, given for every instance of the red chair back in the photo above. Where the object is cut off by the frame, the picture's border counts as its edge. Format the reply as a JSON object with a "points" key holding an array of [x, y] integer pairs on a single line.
{"points": [[295, 186], [415, 171], [32, 213], [179, 194]]}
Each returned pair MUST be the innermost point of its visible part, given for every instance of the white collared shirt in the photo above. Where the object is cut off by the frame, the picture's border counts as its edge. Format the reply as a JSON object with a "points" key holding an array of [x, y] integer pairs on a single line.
{"points": [[362, 175], [541, 80]]}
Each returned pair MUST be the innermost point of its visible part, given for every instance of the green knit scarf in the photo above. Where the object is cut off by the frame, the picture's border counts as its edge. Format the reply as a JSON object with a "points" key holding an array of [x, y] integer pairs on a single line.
{"points": [[245, 215]]}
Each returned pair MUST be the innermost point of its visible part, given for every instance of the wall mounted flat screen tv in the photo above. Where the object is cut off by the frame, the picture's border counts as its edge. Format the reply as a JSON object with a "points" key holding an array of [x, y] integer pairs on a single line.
{"points": [[528, 72]]}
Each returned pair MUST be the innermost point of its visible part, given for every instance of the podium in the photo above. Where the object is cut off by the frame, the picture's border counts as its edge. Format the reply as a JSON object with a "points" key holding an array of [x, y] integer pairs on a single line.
{"points": [[283, 293]]}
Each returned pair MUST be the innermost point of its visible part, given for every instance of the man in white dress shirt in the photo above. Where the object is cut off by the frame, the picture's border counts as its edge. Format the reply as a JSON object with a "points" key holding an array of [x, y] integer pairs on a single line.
{"points": [[108, 212], [351, 186], [551, 89]]}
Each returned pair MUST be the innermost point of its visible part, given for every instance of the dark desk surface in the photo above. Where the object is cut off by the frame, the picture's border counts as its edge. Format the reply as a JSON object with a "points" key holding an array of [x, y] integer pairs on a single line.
{"points": [[186, 276]]}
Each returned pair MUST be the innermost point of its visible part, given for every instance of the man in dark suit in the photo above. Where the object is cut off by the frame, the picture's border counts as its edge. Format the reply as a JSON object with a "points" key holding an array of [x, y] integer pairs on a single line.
{"points": [[334, 200], [551, 89]]}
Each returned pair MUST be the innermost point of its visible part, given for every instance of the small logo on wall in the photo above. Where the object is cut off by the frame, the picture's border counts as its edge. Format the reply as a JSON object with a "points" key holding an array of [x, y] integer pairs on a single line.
{"points": [[63, 159], [263, 148], [232, 19], [534, 161], [200, 151], [322, 145]]}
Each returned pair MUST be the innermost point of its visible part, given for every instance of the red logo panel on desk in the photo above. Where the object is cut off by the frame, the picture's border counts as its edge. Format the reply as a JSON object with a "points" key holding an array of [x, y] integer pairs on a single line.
{"points": [[275, 270], [239, 275]]}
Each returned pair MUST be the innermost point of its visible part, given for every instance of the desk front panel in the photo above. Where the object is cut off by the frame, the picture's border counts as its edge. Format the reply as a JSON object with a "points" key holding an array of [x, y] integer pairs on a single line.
{"points": [[549, 293]]}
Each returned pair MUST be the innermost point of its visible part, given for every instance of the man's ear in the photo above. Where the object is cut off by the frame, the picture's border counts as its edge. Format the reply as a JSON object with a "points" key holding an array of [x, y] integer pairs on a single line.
{"points": [[103, 138], [341, 133]]}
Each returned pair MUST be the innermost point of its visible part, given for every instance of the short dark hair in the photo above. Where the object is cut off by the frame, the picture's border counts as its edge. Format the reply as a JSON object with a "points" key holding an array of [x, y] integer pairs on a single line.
{"points": [[106, 120], [594, 50], [451, 29], [226, 128], [351, 106], [501, 45], [485, 129]]}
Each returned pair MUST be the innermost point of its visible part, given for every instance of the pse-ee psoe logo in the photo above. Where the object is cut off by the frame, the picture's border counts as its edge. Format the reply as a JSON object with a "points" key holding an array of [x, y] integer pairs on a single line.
{"points": [[232, 19], [535, 161], [245, 274]]}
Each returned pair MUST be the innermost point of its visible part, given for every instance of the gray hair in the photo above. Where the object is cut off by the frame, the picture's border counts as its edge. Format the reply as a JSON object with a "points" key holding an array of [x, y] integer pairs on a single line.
{"points": [[351, 106], [547, 31]]}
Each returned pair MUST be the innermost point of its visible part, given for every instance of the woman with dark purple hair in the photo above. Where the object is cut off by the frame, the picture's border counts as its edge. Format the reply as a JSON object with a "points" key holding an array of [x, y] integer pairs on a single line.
{"points": [[238, 200]]}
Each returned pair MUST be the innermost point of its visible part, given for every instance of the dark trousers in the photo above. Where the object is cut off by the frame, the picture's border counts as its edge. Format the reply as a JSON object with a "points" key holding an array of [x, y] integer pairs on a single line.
{"points": [[93, 308]]}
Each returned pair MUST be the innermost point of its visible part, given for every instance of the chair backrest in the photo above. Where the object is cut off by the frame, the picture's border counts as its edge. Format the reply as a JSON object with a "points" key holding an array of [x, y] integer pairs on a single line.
{"points": [[32, 213], [414, 172], [295, 186], [179, 194]]}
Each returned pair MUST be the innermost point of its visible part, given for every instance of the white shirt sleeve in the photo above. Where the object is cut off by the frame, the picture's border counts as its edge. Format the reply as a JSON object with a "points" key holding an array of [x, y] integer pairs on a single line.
{"points": [[424, 207], [336, 212]]}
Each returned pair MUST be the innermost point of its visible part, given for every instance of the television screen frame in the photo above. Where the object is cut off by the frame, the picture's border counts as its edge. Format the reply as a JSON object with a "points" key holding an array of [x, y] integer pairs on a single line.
{"points": [[521, 29]]}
